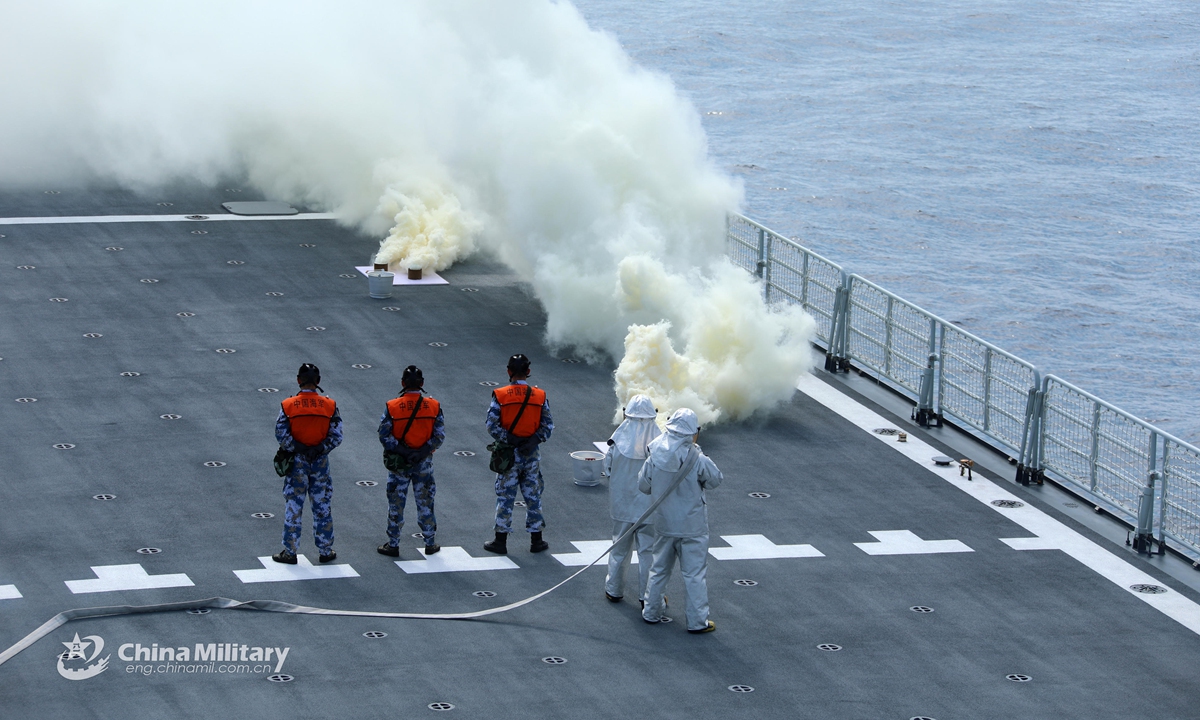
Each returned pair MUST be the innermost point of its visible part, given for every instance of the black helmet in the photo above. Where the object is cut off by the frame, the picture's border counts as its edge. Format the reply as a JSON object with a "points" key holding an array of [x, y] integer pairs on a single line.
{"points": [[308, 374], [413, 378], [518, 365]]}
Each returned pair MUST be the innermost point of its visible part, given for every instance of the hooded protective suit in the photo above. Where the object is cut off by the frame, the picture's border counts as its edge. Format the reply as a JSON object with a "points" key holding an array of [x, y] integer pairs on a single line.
{"points": [[627, 450], [681, 521]]}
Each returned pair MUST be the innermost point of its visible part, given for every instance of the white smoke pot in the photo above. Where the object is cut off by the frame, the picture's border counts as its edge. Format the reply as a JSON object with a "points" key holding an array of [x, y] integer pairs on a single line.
{"points": [[380, 284], [586, 465]]}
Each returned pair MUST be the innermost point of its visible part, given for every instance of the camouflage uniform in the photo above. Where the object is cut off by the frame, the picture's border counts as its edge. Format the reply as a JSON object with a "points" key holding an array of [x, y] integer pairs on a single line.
{"points": [[525, 473], [419, 475], [309, 476]]}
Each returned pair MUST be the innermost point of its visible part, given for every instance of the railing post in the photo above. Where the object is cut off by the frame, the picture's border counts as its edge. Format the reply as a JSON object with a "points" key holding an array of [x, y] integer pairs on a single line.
{"points": [[1143, 540], [1039, 448], [1029, 468], [1094, 456], [1164, 487], [987, 389], [887, 337], [836, 359], [923, 413], [764, 267], [804, 282], [762, 252]]}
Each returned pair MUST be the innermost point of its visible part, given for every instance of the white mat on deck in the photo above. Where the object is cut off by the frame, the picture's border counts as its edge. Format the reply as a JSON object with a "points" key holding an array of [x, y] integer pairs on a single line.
{"points": [[430, 278]]}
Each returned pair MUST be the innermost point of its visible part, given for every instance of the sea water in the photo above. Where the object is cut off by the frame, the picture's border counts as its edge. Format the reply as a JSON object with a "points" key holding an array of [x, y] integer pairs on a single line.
{"points": [[1028, 170]]}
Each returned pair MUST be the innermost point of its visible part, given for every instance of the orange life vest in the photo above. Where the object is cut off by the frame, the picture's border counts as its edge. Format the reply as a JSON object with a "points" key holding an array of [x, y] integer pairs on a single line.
{"points": [[510, 398], [401, 409], [309, 415]]}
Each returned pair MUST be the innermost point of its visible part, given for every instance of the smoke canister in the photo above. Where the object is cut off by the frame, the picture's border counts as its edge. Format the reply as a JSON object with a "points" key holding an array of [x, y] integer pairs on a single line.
{"points": [[380, 284], [381, 267], [415, 273]]}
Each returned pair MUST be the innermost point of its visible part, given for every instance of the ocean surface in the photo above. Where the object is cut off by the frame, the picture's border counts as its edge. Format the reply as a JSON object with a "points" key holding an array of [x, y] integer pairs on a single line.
{"points": [[1030, 170]]}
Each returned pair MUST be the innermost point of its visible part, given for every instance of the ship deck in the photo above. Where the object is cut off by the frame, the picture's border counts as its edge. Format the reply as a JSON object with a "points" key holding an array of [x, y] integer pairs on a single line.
{"points": [[830, 533]]}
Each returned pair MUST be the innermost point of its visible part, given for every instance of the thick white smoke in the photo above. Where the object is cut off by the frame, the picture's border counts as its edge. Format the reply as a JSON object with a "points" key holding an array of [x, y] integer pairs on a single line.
{"points": [[445, 126]]}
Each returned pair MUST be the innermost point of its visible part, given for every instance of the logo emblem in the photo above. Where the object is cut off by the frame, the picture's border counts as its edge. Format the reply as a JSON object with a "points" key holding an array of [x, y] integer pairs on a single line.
{"points": [[77, 655]]}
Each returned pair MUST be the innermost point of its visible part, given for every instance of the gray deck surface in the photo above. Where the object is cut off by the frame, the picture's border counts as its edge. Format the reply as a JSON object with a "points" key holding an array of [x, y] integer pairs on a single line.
{"points": [[1093, 650]]}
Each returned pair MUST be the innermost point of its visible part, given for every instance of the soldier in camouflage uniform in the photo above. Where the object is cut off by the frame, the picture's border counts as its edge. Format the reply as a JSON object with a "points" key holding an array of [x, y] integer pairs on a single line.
{"points": [[412, 428], [308, 426], [519, 416]]}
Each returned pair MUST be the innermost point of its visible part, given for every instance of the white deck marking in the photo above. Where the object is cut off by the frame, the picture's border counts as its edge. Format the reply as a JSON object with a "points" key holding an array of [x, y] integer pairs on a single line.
{"points": [[601, 445], [1031, 543], [758, 547], [302, 570], [221, 215], [455, 559], [906, 542], [1047, 530], [9, 592], [110, 578], [589, 551], [401, 278]]}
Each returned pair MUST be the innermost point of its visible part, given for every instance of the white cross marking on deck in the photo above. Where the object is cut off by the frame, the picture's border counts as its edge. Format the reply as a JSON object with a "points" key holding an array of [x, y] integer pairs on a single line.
{"points": [[9, 592], [302, 570], [589, 551], [906, 542], [455, 559], [111, 578], [758, 547]]}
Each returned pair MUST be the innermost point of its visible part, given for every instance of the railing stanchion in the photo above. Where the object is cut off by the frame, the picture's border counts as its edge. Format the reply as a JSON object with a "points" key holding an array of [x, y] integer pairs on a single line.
{"points": [[1143, 540], [1027, 467], [836, 359], [765, 267]]}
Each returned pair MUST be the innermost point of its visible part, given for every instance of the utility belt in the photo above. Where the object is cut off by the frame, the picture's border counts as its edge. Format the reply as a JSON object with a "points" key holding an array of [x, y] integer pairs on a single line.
{"points": [[399, 462], [285, 461]]}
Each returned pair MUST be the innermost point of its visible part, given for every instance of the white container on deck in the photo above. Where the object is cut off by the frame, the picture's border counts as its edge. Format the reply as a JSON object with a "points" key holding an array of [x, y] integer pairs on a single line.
{"points": [[586, 467], [380, 284]]}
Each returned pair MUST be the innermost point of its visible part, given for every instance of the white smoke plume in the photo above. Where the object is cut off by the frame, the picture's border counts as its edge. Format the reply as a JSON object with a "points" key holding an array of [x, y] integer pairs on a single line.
{"points": [[444, 126], [431, 229]]}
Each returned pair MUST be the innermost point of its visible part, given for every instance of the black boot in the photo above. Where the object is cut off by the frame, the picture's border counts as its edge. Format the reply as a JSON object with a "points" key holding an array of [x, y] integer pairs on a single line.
{"points": [[499, 545], [536, 543]]}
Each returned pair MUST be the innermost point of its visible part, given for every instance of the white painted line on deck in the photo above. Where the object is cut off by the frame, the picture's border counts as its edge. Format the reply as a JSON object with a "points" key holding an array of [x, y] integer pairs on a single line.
{"points": [[111, 578], [758, 547], [906, 542], [589, 552], [1048, 531], [302, 570], [455, 559], [9, 592], [83, 219]]}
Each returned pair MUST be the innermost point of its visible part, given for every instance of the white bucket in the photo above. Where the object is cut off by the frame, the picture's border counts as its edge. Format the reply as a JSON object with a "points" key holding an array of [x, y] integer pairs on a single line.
{"points": [[380, 284], [586, 466]]}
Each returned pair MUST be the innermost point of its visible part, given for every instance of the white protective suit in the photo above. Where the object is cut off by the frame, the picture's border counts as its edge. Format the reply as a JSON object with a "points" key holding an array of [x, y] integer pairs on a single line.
{"points": [[627, 450], [681, 521]]}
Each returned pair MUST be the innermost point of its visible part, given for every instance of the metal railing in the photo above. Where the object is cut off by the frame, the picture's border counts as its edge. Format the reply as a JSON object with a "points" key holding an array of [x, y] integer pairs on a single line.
{"points": [[791, 273], [1101, 449], [1137, 472]]}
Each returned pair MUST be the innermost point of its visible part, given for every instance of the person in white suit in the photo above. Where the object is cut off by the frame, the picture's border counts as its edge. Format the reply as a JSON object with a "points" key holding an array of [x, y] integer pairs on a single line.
{"points": [[681, 521], [627, 450]]}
